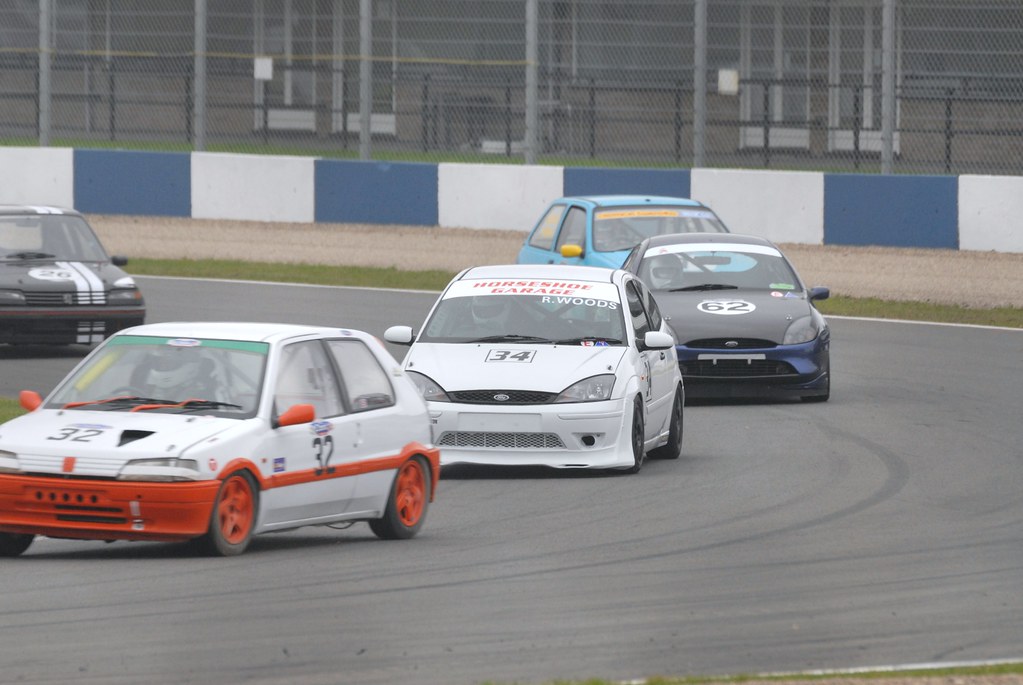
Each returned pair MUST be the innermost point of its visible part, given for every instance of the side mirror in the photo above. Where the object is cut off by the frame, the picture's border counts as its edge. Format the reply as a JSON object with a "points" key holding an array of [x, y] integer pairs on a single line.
{"points": [[819, 293], [117, 260], [571, 251], [399, 335], [296, 414], [658, 340], [30, 400]]}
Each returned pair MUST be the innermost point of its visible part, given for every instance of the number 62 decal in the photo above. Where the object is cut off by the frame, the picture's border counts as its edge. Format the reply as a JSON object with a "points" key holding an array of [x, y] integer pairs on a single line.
{"points": [[726, 307]]}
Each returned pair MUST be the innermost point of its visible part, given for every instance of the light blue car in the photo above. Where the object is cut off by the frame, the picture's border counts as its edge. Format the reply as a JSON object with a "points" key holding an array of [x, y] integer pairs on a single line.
{"points": [[600, 230]]}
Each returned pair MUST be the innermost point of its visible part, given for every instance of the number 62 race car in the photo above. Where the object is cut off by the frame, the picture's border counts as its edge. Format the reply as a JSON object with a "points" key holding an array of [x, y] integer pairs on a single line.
{"points": [[215, 432]]}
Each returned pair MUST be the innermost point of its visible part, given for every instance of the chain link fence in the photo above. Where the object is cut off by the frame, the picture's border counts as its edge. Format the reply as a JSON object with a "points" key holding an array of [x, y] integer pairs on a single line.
{"points": [[916, 86]]}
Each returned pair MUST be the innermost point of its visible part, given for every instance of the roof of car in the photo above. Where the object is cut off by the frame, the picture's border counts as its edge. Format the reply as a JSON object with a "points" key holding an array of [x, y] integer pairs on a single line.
{"points": [[541, 271], [17, 210], [727, 238], [234, 330], [631, 200]]}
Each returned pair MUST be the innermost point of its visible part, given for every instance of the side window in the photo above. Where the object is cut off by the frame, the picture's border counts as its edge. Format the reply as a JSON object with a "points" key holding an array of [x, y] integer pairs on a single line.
{"points": [[305, 376], [364, 380], [652, 310], [543, 236], [573, 232], [636, 310]]}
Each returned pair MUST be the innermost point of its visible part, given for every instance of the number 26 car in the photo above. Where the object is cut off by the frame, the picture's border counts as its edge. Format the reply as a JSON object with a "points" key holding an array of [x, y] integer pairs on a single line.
{"points": [[547, 365], [216, 432]]}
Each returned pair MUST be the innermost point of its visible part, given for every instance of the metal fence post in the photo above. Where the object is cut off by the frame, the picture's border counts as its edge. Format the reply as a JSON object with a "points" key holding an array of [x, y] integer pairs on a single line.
{"points": [[887, 86], [200, 75], [45, 87], [699, 82], [532, 97], [365, 78]]}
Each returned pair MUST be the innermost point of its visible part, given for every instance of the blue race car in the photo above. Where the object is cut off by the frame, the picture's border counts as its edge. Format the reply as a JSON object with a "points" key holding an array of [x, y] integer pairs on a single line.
{"points": [[600, 230]]}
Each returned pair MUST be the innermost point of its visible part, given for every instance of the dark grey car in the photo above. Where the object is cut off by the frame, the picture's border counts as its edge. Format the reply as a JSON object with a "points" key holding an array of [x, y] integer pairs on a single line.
{"points": [[57, 283]]}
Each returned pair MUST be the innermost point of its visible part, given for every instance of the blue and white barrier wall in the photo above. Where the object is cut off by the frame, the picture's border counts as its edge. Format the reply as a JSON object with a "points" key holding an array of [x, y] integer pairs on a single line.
{"points": [[950, 212]]}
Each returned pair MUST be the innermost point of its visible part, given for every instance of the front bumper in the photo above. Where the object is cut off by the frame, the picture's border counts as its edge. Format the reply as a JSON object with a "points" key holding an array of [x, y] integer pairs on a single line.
{"points": [[572, 435], [65, 326], [784, 371], [93, 509]]}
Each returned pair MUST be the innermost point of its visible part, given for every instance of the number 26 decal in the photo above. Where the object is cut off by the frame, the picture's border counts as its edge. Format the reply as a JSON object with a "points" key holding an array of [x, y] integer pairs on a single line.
{"points": [[324, 448]]}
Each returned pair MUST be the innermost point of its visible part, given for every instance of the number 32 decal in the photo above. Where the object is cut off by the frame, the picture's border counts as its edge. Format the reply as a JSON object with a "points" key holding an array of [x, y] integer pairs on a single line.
{"points": [[726, 307]]}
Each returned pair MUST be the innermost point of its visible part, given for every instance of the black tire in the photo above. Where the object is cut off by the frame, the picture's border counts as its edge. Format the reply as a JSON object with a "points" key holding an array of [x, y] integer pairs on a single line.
{"points": [[13, 544], [233, 517], [673, 448], [407, 504], [638, 436]]}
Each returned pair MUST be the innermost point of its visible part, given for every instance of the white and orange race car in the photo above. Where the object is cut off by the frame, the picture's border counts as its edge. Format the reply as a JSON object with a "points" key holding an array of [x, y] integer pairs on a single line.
{"points": [[215, 432]]}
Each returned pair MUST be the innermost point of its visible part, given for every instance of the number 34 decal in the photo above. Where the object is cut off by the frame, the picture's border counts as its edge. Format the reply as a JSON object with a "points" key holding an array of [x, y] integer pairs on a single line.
{"points": [[510, 355], [726, 307]]}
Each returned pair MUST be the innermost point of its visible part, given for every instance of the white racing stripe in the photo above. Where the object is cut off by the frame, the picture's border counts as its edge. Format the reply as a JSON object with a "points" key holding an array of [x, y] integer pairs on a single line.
{"points": [[90, 291]]}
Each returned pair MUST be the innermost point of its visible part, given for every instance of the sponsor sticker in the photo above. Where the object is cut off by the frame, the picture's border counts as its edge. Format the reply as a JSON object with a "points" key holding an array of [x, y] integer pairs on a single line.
{"points": [[184, 342], [321, 427], [279, 464]]}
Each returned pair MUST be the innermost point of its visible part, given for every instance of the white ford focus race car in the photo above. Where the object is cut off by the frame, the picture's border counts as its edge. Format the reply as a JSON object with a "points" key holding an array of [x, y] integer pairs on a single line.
{"points": [[547, 365], [215, 432]]}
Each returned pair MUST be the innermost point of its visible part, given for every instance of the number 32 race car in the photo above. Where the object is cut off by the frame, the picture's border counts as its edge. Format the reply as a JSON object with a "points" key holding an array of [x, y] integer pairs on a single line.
{"points": [[215, 432]]}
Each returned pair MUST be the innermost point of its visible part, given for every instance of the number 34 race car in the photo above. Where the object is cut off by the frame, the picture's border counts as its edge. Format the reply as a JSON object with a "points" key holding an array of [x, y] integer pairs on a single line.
{"points": [[215, 432]]}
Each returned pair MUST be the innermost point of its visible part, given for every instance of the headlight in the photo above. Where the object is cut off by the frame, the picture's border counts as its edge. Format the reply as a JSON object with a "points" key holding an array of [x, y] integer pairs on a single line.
{"points": [[125, 296], [428, 388], [166, 469], [9, 297], [592, 389], [9, 462], [802, 330]]}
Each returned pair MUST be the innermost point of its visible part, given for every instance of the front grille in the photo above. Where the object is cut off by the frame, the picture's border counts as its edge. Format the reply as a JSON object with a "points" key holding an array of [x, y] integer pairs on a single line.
{"points": [[723, 344], [65, 299], [510, 397], [511, 441], [735, 368]]}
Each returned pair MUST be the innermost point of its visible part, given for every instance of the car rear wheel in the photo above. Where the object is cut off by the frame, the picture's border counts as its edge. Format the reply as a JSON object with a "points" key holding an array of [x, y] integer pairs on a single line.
{"points": [[407, 503], [673, 448], [638, 436], [233, 518], [13, 544]]}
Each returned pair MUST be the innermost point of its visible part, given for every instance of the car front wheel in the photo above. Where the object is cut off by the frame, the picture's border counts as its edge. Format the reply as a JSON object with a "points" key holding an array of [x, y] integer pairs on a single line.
{"points": [[673, 448], [233, 518], [638, 436]]}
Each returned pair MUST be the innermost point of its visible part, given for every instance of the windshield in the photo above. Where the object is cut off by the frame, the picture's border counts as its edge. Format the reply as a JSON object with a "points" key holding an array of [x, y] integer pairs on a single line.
{"points": [[179, 375], [622, 228], [716, 267], [59, 237], [544, 312]]}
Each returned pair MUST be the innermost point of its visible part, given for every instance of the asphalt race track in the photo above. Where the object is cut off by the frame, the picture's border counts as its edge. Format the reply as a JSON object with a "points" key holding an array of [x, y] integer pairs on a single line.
{"points": [[883, 527]]}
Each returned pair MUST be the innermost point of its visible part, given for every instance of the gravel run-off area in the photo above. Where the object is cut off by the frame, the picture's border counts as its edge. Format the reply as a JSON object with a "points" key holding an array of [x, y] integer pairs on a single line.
{"points": [[963, 277]]}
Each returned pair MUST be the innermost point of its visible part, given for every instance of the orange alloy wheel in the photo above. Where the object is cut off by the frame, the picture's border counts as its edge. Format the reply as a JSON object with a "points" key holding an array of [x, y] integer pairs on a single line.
{"points": [[236, 509], [411, 492]]}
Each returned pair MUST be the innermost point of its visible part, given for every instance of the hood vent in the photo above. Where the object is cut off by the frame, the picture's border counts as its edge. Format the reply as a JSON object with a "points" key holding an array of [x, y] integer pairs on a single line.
{"points": [[132, 436]]}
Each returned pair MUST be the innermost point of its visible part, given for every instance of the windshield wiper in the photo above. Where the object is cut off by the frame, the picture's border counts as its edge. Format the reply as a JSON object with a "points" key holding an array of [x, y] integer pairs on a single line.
{"points": [[207, 404], [118, 402], [588, 338], [29, 255], [705, 286], [511, 337]]}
